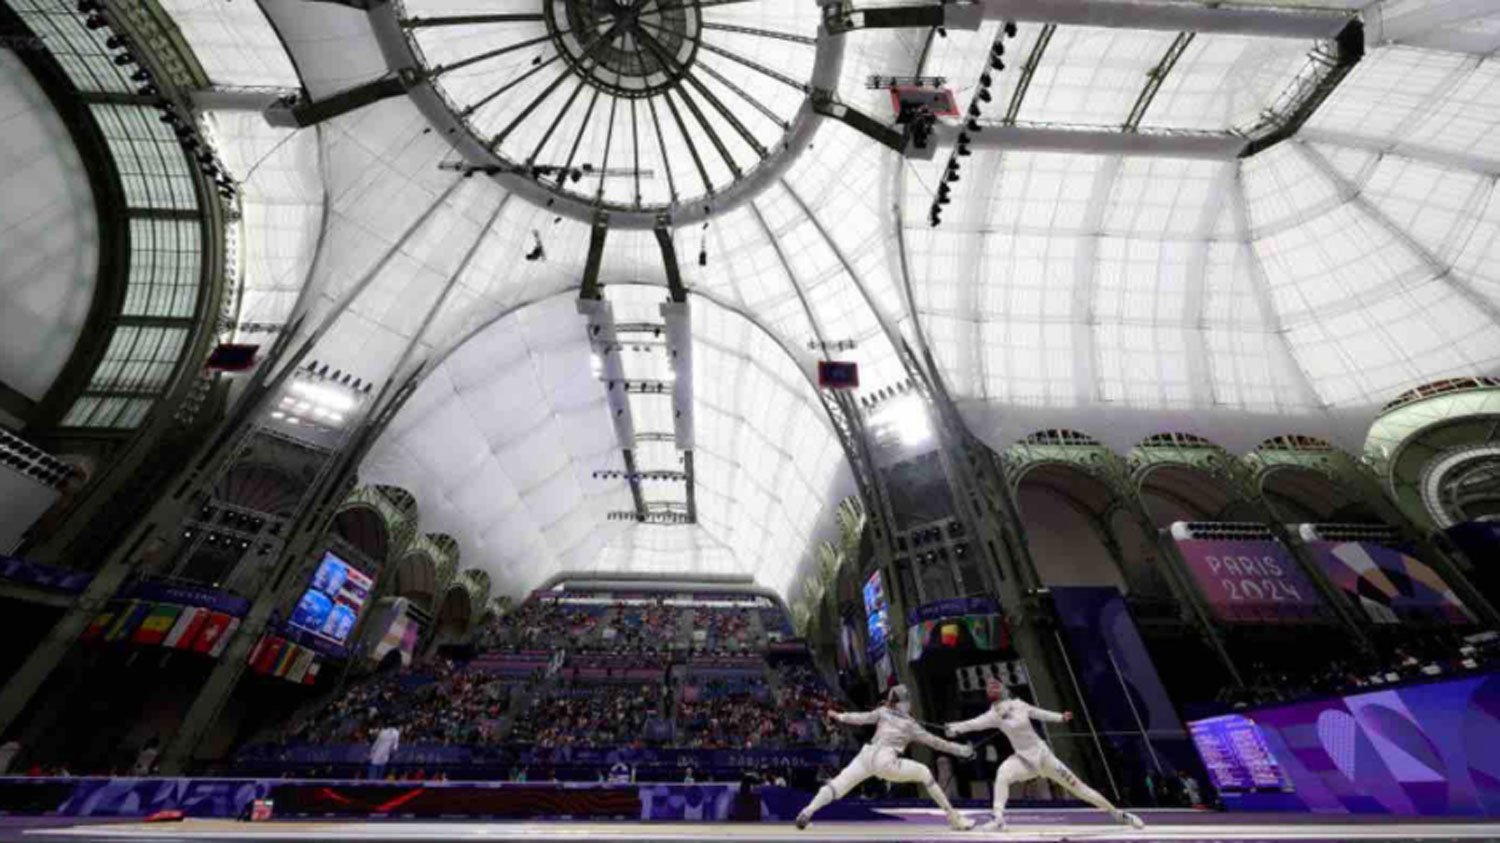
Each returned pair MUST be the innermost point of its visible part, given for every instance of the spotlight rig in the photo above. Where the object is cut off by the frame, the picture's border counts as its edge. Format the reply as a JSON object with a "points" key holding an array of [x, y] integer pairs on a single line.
{"points": [[535, 171], [962, 147]]}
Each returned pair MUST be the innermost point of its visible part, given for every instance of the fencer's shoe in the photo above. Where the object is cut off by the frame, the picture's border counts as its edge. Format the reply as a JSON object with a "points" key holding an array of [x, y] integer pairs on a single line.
{"points": [[996, 824], [959, 822], [1127, 818], [803, 819]]}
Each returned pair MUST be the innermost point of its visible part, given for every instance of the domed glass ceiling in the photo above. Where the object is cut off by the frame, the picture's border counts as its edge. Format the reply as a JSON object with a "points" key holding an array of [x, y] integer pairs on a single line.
{"points": [[631, 103], [1119, 291]]}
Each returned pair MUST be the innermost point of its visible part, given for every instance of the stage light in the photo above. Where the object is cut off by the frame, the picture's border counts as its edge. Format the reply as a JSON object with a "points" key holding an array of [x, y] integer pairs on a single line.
{"points": [[906, 419]]}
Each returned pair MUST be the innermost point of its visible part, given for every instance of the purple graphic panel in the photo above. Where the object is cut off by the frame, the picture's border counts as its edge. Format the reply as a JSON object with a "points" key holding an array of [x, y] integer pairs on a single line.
{"points": [[1250, 581], [1388, 585], [1422, 750], [1126, 699]]}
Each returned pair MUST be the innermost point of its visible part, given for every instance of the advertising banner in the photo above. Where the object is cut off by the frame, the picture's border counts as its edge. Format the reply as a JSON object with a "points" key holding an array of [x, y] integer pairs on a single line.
{"points": [[182, 594], [954, 608], [1251, 581], [1387, 584]]}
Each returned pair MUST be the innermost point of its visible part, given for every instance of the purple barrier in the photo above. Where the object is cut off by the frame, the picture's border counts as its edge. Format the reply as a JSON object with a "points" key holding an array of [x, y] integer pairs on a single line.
{"points": [[130, 797], [1418, 750], [229, 798], [436, 756]]}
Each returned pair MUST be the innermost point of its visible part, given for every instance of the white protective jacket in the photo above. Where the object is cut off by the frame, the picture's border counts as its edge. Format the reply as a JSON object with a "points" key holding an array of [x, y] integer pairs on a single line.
{"points": [[1013, 717], [894, 730]]}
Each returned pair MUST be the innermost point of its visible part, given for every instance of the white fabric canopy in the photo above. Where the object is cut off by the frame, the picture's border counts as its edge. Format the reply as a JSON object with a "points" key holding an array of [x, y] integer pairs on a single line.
{"points": [[1293, 292]]}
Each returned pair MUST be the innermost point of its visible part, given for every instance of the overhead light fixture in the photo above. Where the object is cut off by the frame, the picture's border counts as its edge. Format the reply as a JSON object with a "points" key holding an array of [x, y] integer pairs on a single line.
{"points": [[905, 419]]}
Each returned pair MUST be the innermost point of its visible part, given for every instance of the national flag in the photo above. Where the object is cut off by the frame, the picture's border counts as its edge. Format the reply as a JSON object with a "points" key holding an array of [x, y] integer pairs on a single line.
{"points": [[229, 631], [284, 662], [312, 672], [263, 657], [949, 635], [158, 622], [210, 632], [299, 668], [188, 625], [129, 617], [982, 630], [99, 624]]}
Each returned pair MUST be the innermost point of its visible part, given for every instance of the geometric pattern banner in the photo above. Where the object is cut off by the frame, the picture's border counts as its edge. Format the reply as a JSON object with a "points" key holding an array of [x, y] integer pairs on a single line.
{"points": [[1389, 585], [1425, 750]]}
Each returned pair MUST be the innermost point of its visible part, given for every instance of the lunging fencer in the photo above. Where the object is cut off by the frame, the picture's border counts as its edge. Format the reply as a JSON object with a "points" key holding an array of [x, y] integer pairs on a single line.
{"points": [[881, 757], [1032, 757]]}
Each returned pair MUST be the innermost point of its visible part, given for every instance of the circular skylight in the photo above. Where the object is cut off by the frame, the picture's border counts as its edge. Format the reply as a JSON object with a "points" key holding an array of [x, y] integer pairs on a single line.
{"points": [[630, 105]]}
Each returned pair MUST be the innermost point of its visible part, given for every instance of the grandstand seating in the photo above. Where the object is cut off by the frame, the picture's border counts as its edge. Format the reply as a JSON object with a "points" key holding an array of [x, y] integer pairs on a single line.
{"points": [[568, 672]]}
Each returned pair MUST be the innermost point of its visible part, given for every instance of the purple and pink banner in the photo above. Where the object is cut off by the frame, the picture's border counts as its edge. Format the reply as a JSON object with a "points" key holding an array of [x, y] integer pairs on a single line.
{"points": [[1388, 585], [1251, 581]]}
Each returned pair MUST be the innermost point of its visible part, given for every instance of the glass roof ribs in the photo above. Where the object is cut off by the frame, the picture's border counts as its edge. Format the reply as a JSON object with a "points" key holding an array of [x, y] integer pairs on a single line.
{"points": [[1440, 270], [1154, 78], [1395, 146], [1435, 25], [169, 285]]}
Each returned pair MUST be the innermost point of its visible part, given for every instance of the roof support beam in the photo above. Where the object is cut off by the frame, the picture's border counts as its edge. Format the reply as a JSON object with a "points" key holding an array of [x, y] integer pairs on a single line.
{"points": [[597, 234], [669, 261], [1415, 152], [1214, 146], [826, 104], [1112, 14], [242, 99], [13, 402], [301, 114]]}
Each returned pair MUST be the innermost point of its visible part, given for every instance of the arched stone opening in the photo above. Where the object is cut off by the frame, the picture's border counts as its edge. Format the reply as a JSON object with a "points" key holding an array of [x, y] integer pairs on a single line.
{"points": [[1297, 495], [1173, 493], [1066, 515]]}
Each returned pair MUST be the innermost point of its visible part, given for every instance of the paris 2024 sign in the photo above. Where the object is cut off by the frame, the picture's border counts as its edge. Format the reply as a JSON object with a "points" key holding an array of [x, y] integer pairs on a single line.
{"points": [[1250, 581]]}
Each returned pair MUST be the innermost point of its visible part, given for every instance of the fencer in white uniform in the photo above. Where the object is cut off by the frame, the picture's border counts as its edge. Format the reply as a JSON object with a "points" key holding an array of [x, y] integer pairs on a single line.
{"points": [[881, 757], [1032, 756]]}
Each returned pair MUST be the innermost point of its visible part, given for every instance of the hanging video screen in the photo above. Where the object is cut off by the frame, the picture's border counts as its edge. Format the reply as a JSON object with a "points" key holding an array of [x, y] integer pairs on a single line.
{"points": [[332, 603]]}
